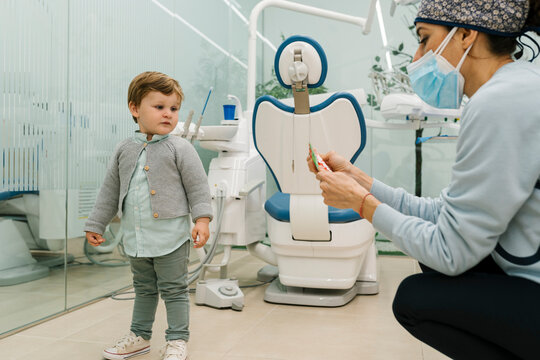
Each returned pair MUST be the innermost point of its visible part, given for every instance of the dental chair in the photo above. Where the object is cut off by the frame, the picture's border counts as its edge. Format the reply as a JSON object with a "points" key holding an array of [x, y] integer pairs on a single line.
{"points": [[26, 256], [325, 255], [30, 249], [16, 263]]}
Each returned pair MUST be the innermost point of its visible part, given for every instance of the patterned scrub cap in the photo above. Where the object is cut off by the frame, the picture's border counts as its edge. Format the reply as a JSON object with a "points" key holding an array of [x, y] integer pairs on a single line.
{"points": [[504, 17]]}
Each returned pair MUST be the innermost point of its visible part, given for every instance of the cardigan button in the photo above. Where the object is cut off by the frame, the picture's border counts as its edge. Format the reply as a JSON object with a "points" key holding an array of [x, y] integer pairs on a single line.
{"points": [[153, 192], [146, 167], [145, 144], [155, 215]]}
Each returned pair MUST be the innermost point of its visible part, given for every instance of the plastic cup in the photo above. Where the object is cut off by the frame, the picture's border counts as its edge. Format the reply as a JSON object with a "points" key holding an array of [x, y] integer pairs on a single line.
{"points": [[228, 112]]}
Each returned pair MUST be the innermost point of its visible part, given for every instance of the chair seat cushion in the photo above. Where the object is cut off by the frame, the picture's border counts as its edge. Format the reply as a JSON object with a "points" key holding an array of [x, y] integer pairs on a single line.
{"points": [[278, 207]]}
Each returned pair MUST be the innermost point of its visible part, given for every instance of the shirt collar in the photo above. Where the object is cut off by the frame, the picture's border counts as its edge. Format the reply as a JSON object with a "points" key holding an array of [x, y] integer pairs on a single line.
{"points": [[141, 137]]}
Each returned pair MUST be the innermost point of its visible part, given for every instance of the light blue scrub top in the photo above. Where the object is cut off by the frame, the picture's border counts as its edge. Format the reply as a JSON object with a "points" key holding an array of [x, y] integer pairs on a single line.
{"points": [[143, 235], [491, 205]]}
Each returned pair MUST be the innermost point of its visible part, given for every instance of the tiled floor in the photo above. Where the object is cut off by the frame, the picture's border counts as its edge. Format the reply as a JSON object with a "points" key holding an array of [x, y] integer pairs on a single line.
{"points": [[363, 329]]}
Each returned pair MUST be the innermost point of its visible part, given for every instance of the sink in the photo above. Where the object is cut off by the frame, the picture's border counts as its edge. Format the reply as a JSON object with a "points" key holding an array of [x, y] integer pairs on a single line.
{"points": [[218, 132]]}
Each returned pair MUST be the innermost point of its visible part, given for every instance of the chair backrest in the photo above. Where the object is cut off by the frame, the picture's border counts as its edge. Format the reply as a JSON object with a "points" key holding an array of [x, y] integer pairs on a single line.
{"points": [[282, 137]]}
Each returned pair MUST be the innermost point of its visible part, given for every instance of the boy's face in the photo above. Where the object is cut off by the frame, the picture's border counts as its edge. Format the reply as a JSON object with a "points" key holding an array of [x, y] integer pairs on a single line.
{"points": [[157, 113]]}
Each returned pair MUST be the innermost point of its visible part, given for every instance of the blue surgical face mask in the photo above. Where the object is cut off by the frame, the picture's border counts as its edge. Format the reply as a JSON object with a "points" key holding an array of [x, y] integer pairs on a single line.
{"points": [[435, 80]]}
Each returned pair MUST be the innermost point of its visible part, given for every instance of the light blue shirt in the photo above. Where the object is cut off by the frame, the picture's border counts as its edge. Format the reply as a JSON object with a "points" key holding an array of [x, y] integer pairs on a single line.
{"points": [[144, 235], [491, 206]]}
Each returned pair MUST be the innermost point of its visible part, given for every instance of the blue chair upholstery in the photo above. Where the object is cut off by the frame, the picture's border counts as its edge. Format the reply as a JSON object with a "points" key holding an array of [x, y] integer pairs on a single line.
{"points": [[6, 195], [278, 207]]}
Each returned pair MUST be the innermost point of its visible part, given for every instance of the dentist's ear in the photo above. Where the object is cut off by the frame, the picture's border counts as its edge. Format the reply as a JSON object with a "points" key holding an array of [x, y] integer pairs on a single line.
{"points": [[467, 37]]}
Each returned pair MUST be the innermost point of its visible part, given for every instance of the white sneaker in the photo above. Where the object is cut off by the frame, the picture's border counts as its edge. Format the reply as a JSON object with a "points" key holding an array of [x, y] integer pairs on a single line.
{"points": [[126, 347], [175, 350]]}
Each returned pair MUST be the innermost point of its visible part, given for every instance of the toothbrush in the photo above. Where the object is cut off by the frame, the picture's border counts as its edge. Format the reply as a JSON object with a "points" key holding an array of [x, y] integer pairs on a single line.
{"points": [[317, 160]]}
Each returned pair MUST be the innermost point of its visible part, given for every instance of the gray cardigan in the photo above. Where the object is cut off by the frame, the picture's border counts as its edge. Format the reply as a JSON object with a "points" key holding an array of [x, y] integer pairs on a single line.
{"points": [[176, 179]]}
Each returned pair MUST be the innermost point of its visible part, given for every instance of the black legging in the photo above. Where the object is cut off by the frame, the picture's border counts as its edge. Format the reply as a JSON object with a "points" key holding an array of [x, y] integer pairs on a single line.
{"points": [[481, 314]]}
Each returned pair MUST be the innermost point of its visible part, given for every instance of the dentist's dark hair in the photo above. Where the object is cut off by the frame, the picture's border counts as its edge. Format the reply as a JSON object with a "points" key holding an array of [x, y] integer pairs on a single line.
{"points": [[504, 45], [533, 19]]}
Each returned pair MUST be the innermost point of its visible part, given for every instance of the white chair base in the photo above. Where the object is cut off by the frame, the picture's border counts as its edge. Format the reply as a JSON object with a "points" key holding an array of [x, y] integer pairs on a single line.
{"points": [[334, 264], [280, 294]]}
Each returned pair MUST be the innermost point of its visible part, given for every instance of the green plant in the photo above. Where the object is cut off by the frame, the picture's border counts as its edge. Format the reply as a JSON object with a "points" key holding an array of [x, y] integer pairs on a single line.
{"points": [[273, 87], [386, 81], [404, 59], [396, 79]]}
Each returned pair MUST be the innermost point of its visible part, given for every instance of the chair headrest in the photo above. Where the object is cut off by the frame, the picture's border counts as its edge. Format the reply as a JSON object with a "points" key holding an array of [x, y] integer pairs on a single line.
{"points": [[313, 63]]}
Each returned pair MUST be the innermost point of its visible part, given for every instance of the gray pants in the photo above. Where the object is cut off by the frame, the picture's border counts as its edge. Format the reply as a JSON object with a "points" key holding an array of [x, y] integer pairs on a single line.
{"points": [[168, 275]]}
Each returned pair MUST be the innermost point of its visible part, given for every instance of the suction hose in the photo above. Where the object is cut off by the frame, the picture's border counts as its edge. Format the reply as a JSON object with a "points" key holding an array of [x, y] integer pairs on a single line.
{"points": [[220, 199], [106, 248]]}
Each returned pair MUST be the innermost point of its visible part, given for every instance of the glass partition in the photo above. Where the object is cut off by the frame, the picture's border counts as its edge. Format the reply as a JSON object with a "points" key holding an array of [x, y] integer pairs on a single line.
{"points": [[66, 66], [33, 173]]}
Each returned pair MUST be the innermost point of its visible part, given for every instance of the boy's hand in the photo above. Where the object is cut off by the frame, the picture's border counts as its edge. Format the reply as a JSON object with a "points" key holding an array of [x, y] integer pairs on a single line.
{"points": [[94, 239], [200, 232]]}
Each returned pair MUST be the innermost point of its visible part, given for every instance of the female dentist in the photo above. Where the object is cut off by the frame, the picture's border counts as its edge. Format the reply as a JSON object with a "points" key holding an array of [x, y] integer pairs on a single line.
{"points": [[479, 242]]}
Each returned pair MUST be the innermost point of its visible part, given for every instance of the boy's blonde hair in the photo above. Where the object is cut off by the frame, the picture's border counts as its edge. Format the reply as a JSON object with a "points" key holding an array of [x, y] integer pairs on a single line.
{"points": [[149, 81]]}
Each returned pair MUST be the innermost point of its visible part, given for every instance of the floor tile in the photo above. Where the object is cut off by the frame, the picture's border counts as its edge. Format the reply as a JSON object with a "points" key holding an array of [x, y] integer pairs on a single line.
{"points": [[365, 328]]}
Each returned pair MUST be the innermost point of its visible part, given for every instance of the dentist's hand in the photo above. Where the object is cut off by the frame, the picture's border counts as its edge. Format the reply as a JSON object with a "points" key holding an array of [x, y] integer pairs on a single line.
{"points": [[339, 164], [340, 190], [344, 192], [94, 239], [200, 232], [336, 162]]}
